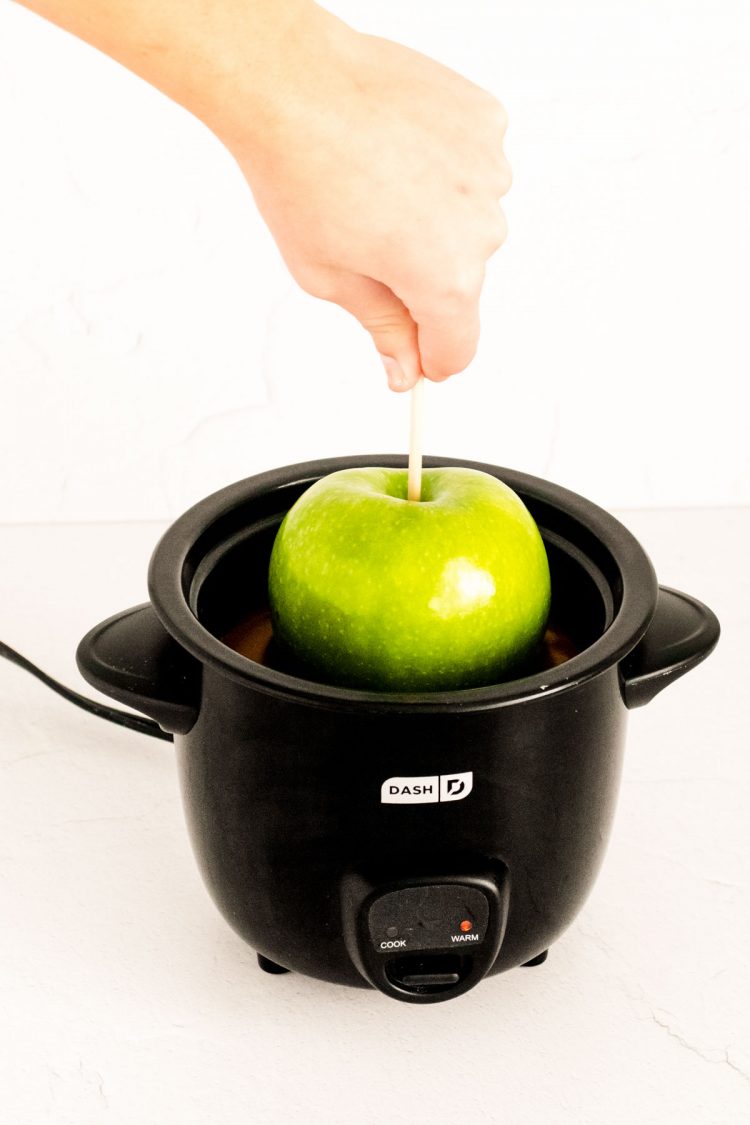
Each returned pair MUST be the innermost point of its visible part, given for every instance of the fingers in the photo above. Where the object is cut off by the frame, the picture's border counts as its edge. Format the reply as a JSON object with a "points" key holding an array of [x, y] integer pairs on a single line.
{"points": [[448, 330], [385, 317], [438, 338], [401, 376], [390, 324], [448, 346], [444, 302], [430, 324]]}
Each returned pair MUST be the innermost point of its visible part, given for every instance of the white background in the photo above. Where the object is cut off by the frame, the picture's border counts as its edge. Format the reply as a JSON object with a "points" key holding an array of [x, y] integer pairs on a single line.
{"points": [[153, 347]]}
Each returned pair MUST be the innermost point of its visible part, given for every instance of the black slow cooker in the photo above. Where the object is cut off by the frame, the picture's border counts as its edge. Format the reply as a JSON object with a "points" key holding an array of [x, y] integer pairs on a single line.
{"points": [[412, 843]]}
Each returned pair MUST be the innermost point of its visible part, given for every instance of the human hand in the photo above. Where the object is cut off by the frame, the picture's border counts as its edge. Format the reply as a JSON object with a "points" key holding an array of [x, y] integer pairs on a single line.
{"points": [[378, 172]]}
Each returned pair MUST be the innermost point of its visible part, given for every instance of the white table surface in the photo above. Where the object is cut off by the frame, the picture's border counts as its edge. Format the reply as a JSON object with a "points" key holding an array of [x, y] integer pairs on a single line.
{"points": [[126, 998]]}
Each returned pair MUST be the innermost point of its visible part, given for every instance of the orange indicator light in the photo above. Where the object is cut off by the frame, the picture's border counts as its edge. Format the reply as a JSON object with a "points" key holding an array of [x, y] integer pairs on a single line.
{"points": [[465, 926]]}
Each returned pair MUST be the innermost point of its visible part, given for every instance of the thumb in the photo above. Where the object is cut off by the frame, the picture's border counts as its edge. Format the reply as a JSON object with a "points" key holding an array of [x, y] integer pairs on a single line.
{"points": [[388, 321]]}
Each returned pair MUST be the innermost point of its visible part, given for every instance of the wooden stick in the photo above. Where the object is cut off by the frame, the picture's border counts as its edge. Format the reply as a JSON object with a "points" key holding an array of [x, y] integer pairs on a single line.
{"points": [[414, 486]]}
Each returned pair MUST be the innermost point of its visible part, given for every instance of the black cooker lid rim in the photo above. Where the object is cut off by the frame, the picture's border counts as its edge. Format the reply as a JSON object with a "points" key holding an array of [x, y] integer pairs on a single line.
{"points": [[185, 542]]}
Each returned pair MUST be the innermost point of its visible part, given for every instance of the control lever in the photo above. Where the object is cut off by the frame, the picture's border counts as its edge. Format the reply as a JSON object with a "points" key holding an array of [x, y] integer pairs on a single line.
{"points": [[428, 938]]}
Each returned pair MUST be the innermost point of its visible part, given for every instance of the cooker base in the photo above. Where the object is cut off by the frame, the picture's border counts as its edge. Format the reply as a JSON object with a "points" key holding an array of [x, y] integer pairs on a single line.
{"points": [[538, 960], [269, 966]]}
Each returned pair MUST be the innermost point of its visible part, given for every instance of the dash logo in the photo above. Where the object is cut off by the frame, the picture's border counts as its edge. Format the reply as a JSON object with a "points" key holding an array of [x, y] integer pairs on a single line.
{"points": [[426, 790]]}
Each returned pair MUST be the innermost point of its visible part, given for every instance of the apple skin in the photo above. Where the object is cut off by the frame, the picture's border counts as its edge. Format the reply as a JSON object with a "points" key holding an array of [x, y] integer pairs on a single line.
{"points": [[374, 591]]}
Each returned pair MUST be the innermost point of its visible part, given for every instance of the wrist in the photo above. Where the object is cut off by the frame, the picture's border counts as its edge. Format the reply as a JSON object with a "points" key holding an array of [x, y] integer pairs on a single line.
{"points": [[259, 75], [226, 61]]}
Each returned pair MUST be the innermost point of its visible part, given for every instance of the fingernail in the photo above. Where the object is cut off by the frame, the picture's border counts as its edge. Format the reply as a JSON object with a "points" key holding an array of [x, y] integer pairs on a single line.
{"points": [[393, 369]]}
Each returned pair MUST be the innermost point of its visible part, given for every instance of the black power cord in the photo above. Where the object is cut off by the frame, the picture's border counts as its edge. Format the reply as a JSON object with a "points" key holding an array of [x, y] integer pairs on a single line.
{"points": [[111, 714]]}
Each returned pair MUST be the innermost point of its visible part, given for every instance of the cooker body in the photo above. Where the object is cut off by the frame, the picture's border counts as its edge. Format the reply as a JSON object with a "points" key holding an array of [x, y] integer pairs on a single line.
{"points": [[302, 816]]}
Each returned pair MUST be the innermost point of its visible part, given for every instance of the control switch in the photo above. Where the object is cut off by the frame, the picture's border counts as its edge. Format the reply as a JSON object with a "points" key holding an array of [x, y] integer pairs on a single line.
{"points": [[430, 916]]}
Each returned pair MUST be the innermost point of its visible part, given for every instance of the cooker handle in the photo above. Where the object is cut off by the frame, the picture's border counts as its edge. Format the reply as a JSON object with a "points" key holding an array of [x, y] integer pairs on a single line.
{"points": [[132, 658], [683, 631]]}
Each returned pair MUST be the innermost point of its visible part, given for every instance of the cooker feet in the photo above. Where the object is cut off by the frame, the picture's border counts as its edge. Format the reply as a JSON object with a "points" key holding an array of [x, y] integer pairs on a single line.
{"points": [[269, 966], [538, 960]]}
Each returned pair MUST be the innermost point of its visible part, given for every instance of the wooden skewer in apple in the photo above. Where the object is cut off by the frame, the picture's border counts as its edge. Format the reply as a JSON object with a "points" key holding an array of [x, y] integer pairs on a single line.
{"points": [[414, 485]]}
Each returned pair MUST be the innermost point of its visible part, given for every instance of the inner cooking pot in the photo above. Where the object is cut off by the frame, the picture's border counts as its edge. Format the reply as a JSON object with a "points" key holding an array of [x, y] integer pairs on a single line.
{"points": [[411, 842]]}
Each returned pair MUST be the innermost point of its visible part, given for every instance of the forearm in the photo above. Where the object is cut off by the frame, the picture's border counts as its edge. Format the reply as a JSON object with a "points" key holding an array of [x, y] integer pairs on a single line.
{"points": [[198, 52], [377, 170]]}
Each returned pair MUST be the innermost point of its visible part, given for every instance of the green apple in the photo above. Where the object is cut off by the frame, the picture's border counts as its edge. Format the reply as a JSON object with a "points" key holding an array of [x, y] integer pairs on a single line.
{"points": [[375, 591]]}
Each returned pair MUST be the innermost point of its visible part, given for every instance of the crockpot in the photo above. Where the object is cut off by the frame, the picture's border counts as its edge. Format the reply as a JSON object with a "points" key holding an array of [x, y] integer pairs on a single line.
{"points": [[414, 843]]}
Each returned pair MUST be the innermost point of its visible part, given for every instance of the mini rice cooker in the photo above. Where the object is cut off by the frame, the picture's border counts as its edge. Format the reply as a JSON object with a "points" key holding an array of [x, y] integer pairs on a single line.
{"points": [[409, 843]]}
